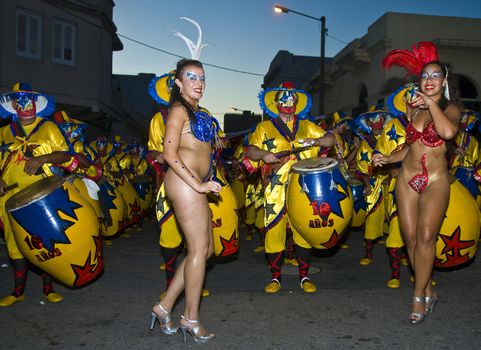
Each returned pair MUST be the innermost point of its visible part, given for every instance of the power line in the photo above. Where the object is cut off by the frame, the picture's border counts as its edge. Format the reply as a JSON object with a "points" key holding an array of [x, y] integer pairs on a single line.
{"points": [[337, 39], [204, 63]]}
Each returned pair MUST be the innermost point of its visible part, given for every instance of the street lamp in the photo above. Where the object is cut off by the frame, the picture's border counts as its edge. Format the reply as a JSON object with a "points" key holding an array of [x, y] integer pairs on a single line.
{"points": [[239, 110], [322, 68]]}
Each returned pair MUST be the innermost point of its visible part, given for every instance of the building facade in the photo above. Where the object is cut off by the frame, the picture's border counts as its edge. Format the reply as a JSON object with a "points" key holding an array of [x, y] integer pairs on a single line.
{"points": [[64, 49]]}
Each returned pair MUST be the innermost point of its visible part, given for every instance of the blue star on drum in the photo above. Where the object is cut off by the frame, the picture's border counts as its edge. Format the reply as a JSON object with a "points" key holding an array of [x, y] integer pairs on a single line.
{"points": [[45, 221]]}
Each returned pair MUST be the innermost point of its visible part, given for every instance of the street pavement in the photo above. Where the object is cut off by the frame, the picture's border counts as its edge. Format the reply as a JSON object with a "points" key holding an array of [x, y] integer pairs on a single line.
{"points": [[352, 309]]}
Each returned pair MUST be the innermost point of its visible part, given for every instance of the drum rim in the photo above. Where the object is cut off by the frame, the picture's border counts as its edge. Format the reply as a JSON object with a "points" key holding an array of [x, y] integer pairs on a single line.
{"points": [[315, 171], [56, 178]]}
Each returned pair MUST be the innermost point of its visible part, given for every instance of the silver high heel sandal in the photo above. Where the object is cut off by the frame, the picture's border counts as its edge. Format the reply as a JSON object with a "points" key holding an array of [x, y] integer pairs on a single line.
{"points": [[194, 330], [416, 318], [431, 303], [164, 319]]}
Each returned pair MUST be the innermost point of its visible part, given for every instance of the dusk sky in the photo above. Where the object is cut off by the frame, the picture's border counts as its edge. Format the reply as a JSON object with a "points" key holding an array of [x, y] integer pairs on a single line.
{"points": [[246, 35]]}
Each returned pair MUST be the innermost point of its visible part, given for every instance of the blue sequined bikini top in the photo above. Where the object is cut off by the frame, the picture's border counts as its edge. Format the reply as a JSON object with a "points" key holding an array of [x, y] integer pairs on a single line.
{"points": [[205, 127]]}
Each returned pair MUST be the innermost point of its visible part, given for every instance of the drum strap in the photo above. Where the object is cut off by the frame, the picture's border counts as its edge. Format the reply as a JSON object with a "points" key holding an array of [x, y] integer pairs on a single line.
{"points": [[403, 120], [284, 130]]}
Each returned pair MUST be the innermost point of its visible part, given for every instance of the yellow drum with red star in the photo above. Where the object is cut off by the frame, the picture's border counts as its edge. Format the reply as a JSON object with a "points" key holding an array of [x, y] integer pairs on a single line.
{"points": [[144, 189], [225, 220], [132, 214], [113, 208], [89, 189], [319, 201], [238, 188], [458, 238], [57, 230]]}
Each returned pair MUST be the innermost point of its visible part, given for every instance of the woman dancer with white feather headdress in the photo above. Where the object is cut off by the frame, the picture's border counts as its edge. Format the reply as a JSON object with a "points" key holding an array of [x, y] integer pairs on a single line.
{"points": [[190, 135]]}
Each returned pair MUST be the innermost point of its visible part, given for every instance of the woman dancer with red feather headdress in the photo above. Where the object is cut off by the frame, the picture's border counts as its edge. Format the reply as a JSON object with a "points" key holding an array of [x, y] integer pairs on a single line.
{"points": [[422, 188]]}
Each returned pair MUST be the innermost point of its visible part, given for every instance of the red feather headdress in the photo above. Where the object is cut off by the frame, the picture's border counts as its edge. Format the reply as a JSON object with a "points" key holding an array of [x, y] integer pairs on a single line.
{"points": [[414, 61]]}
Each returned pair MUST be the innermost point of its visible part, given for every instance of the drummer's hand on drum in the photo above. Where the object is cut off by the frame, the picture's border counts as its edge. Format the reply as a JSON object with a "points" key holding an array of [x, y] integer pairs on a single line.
{"points": [[367, 190], [309, 142], [356, 142], [394, 172], [209, 186], [379, 159], [460, 151], [157, 156], [33, 164], [269, 158], [2, 187]]}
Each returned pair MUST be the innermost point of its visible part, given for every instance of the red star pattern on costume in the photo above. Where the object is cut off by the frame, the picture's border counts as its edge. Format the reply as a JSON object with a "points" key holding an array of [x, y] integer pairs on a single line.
{"points": [[332, 240], [135, 213], [87, 272], [452, 249], [229, 246]]}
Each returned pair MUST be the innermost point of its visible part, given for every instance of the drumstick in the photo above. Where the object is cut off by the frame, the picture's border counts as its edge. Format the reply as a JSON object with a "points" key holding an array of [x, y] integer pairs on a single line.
{"points": [[10, 187], [289, 152]]}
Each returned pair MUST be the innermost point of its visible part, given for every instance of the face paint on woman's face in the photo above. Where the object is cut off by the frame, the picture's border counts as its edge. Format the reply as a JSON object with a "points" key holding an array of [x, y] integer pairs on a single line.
{"points": [[436, 75], [432, 79], [193, 83], [194, 77]]}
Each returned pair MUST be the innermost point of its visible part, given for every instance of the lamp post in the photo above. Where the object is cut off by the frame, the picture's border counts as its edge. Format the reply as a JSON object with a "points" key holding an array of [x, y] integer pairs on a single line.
{"points": [[322, 67]]}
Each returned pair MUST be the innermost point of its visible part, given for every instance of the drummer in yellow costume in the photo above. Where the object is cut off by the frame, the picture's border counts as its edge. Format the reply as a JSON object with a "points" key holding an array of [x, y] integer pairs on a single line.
{"points": [[369, 126], [391, 140], [343, 152], [254, 197], [287, 132], [31, 149], [138, 163], [346, 146], [140, 176], [73, 131]]}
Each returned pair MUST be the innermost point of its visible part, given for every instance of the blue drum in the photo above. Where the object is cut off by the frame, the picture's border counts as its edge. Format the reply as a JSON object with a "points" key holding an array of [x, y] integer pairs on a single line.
{"points": [[359, 201]]}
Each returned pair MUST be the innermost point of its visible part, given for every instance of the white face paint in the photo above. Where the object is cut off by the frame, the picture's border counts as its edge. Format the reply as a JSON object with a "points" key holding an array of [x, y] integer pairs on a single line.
{"points": [[194, 77], [192, 83]]}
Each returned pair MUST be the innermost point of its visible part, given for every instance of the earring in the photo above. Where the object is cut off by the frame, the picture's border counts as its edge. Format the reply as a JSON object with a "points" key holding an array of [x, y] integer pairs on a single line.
{"points": [[446, 92]]}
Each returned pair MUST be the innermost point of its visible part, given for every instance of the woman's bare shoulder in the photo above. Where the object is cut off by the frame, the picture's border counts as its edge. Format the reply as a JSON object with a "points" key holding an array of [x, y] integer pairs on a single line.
{"points": [[177, 111]]}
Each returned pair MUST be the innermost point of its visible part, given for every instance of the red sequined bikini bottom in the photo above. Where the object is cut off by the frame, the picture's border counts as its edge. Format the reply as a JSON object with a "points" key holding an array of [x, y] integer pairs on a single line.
{"points": [[419, 182]]}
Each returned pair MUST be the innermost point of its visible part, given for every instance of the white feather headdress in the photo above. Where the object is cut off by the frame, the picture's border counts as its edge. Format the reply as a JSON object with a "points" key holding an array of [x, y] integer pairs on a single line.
{"points": [[196, 48]]}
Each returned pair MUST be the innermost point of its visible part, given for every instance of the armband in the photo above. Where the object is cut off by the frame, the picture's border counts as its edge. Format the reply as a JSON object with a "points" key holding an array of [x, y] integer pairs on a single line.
{"points": [[71, 165], [93, 172]]}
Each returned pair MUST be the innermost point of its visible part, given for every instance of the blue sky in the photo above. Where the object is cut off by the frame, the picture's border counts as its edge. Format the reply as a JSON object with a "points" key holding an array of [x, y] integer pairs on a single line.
{"points": [[246, 35]]}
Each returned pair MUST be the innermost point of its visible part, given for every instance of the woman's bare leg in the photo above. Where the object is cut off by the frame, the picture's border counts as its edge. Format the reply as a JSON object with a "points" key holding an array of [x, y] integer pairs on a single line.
{"points": [[407, 204], [194, 216], [408, 208], [420, 217], [432, 209]]}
